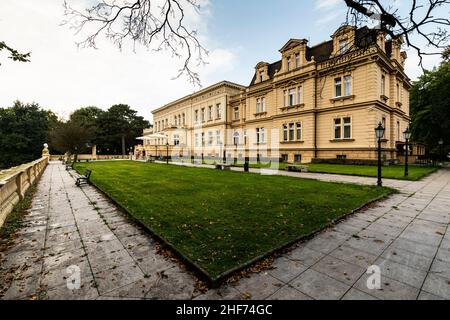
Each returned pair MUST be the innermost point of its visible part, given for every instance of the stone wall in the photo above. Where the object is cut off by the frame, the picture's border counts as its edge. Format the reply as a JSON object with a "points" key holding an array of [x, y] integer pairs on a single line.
{"points": [[15, 182]]}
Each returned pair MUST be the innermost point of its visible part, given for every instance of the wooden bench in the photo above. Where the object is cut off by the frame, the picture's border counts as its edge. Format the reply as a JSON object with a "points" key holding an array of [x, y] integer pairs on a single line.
{"points": [[69, 165], [296, 167], [84, 179], [151, 159], [223, 166]]}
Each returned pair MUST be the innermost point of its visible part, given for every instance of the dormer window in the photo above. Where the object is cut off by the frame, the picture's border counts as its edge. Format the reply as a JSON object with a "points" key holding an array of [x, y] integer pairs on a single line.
{"points": [[261, 76], [289, 64], [297, 60], [343, 46]]}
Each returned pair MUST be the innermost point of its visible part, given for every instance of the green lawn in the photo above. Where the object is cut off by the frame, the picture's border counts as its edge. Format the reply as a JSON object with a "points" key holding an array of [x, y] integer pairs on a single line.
{"points": [[390, 172], [222, 219]]}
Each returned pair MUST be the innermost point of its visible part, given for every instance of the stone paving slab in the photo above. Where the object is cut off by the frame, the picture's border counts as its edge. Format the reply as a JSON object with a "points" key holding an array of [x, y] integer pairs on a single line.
{"points": [[406, 236]]}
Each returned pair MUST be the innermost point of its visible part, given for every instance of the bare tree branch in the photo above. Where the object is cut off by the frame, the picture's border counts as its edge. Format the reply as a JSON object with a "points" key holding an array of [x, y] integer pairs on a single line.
{"points": [[428, 19], [157, 24]]}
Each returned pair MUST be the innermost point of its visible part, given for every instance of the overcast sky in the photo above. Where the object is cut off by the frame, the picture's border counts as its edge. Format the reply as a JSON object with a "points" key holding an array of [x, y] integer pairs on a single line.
{"points": [[238, 34]]}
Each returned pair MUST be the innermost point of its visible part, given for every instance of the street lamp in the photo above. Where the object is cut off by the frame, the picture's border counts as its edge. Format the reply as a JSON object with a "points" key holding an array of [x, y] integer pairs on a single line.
{"points": [[441, 144], [379, 133], [407, 136], [167, 153]]}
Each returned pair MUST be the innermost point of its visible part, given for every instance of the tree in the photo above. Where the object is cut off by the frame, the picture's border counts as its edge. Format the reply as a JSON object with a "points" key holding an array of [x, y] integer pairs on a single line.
{"points": [[87, 116], [71, 137], [14, 54], [426, 19], [430, 107], [23, 132], [118, 128], [156, 24]]}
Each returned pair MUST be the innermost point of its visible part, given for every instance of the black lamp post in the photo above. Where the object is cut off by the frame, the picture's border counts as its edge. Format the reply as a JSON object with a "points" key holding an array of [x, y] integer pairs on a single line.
{"points": [[407, 136], [167, 153], [379, 133], [441, 144]]}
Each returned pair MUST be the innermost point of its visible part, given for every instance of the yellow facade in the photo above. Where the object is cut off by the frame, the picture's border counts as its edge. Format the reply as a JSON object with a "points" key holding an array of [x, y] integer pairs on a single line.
{"points": [[316, 102]]}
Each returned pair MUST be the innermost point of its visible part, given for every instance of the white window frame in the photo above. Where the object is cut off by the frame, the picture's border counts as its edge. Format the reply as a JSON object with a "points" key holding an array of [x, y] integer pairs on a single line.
{"points": [[197, 140], [218, 111], [258, 105], [338, 84], [261, 76], [347, 81], [335, 126], [236, 113], [289, 64], [203, 114], [210, 138], [176, 139], [291, 97], [210, 113], [345, 125], [291, 131], [218, 137], [298, 128], [263, 104], [236, 138], [196, 116], [297, 60], [285, 132], [299, 95]]}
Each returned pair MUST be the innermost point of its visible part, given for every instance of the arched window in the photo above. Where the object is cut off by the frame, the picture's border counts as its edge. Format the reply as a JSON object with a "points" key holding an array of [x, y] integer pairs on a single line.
{"points": [[236, 137]]}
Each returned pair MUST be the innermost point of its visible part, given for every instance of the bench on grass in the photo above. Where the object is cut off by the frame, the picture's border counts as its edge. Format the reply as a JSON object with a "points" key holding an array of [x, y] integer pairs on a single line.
{"points": [[69, 165], [151, 159], [84, 179], [296, 167], [223, 166]]}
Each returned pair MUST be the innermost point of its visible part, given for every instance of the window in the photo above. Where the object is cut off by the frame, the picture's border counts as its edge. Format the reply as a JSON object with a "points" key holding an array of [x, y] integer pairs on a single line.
{"points": [[245, 136], [398, 131], [285, 132], [261, 76], [337, 128], [167, 123], [210, 113], [176, 140], [398, 93], [289, 64], [260, 135], [284, 158], [218, 111], [203, 114], [291, 97], [383, 85], [341, 156], [236, 138], [258, 105], [347, 128], [291, 132], [297, 60], [299, 95], [263, 104], [298, 158], [196, 116], [285, 93], [197, 140], [347, 85], [298, 128], [383, 122], [218, 140], [343, 46], [338, 87], [210, 138], [176, 121], [236, 113], [203, 138], [184, 119]]}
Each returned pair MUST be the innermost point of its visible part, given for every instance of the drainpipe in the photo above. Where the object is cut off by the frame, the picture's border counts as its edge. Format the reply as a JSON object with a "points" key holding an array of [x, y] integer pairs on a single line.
{"points": [[315, 112]]}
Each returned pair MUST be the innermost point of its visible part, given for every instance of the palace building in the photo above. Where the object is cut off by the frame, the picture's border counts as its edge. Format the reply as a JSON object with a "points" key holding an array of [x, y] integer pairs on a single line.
{"points": [[318, 102]]}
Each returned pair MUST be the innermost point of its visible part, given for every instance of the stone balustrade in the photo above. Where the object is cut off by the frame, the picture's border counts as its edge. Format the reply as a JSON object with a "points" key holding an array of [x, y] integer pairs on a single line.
{"points": [[15, 182]]}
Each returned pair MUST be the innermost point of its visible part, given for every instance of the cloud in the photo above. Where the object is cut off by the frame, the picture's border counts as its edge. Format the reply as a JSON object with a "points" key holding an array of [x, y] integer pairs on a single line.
{"points": [[62, 77], [328, 4]]}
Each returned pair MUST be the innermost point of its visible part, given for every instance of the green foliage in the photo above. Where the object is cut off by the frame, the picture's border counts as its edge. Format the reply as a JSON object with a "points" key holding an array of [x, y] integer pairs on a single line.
{"points": [[71, 137], [119, 124], [14, 54], [222, 219], [430, 107], [23, 131]]}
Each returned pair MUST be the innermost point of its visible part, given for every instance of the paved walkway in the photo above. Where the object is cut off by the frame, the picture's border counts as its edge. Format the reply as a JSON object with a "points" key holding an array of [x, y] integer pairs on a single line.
{"points": [[406, 236]]}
